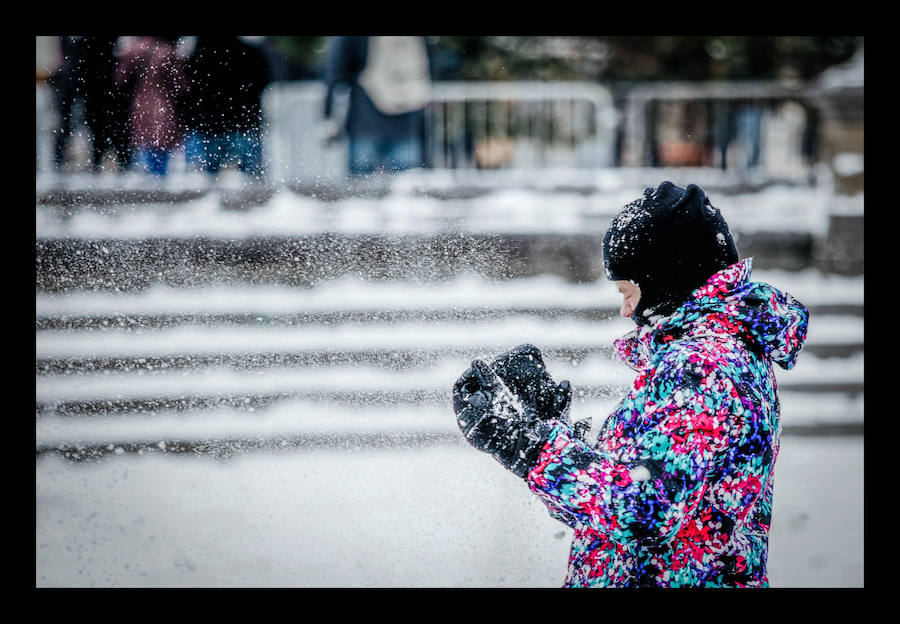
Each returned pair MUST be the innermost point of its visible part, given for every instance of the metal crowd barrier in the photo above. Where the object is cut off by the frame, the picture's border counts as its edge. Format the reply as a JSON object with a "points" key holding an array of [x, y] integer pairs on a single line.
{"points": [[469, 125], [763, 129]]}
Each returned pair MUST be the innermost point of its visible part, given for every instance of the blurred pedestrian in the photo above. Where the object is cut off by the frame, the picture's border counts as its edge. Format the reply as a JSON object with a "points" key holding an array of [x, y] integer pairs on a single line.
{"points": [[223, 112], [63, 81], [389, 79], [748, 133], [677, 489], [151, 69], [106, 103]]}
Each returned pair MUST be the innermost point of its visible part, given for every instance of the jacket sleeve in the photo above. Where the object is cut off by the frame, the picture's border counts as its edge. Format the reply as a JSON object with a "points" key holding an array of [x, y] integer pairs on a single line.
{"points": [[334, 59], [344, 60], [656, 479]]}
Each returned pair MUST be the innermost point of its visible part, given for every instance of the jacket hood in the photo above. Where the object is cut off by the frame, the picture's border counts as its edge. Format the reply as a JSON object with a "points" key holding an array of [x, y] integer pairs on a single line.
{"points": [[767, 319]]}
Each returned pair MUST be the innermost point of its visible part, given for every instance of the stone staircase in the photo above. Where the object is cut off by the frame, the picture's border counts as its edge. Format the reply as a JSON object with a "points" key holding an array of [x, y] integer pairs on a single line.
{"points": [[225, 319], [352, 363]]}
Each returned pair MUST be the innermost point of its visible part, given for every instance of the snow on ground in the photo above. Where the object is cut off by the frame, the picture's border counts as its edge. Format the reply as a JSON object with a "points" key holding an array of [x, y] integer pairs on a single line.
{"points": [[439, 516]]}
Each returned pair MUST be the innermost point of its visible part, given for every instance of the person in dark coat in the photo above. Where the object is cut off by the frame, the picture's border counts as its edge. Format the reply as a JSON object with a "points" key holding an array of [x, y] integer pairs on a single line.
{"points": [[105, 103], [63, 80], [389, 82], [676, 491], [223, 111]]}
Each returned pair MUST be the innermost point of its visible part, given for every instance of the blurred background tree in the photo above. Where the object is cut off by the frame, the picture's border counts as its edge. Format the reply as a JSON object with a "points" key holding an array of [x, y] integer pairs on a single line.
{"points": [[303, 56], [611, 59]]}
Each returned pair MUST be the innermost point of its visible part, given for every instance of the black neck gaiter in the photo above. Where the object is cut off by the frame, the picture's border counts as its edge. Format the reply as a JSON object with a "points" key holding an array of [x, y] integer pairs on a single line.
{"points": [[669, 242]]}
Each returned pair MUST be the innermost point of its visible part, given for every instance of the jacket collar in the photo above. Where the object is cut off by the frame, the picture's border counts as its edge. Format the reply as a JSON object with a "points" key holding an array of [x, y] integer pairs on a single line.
{"points": [[637, 346], [769, 321]]}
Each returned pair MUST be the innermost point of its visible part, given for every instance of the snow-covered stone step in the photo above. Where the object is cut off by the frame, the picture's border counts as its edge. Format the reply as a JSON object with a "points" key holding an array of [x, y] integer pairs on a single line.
{"points": [[352, 347], [201, 340], [293, 421], [297, 423], [141, 391], [350, 399], [116, 391], [386, 322], [344, 294], [327, 317], [391, 359], [350, 294], [399, 359], [496, 335], [592, 371], [150, 321], [144, 208]]}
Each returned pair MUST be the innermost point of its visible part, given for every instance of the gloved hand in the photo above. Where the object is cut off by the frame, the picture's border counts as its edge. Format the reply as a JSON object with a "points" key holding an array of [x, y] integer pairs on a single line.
{"points": [[331, 131], [494, 421], [523, 371]]}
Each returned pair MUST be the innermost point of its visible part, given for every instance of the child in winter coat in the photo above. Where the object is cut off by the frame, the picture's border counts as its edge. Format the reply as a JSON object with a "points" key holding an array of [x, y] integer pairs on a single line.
{"points": [[677, 489]]}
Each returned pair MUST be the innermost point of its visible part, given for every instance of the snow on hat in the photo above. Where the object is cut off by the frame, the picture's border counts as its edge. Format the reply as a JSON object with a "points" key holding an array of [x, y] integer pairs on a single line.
{"points": [[669, 242]]}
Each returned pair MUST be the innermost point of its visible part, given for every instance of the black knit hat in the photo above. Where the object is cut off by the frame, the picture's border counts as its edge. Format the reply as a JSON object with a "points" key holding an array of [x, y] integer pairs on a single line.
{"points": [[669, 242]]}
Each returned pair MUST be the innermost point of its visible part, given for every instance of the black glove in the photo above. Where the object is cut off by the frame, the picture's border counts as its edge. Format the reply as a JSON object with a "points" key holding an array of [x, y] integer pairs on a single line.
{"points": [[523, 371], [493, 420]]}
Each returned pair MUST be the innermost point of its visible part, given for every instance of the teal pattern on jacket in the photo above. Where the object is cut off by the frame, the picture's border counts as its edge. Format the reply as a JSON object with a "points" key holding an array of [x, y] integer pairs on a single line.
{"points": [[677, 490]]}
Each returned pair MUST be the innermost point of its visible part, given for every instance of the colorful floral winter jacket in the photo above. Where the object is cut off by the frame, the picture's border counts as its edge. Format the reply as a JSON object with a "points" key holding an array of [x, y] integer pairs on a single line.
{"points": [[677, 490]]}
